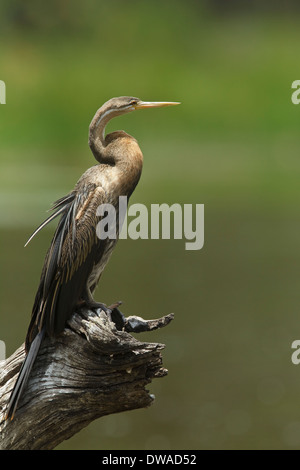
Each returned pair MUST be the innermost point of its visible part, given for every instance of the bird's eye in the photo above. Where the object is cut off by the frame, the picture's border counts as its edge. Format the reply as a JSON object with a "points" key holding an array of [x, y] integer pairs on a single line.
{"points": [[133, 102]]}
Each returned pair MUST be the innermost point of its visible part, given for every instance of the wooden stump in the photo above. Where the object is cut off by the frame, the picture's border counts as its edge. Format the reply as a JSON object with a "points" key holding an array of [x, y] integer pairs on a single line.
{"points": [[92, 369]]}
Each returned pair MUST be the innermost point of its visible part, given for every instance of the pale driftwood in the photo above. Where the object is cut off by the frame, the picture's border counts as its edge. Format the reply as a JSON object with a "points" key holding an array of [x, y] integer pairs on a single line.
{"points": [[92, 369]]}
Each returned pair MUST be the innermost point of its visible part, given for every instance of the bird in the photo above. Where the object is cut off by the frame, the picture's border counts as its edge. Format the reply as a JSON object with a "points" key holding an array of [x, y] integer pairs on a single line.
{"points": [[77, 256]]}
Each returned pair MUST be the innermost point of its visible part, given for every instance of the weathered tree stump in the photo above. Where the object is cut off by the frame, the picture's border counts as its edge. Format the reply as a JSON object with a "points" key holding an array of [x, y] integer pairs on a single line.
{"points": [[92, 369]]}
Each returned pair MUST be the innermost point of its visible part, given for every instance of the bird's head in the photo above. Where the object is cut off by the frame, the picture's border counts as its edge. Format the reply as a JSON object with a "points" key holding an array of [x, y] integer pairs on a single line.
{"points": [[126, 104], [116, 107]]}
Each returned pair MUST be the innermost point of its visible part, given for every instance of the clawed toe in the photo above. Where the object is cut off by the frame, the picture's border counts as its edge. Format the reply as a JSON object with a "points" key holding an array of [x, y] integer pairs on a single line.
{"points": [[112, 312]]}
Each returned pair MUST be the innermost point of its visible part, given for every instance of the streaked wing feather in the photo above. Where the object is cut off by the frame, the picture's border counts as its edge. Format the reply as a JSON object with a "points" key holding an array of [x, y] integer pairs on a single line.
{"points": [[70, 259]]}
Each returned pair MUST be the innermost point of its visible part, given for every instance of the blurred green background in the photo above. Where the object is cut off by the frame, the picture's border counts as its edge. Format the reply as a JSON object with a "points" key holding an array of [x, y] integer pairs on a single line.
{"points": [[233, 145]]}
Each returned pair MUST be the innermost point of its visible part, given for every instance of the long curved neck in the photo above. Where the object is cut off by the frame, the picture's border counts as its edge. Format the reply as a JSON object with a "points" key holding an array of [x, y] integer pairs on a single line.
{"points": [[118, 149], [97, 132]]}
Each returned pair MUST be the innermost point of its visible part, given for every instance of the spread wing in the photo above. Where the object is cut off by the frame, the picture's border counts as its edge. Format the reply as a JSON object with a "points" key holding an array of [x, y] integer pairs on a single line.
{"points": [[74, 250]]}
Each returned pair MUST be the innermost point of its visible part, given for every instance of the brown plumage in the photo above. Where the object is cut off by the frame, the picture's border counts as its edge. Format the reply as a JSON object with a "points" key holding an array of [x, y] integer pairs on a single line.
{"points": [[77, 257]]}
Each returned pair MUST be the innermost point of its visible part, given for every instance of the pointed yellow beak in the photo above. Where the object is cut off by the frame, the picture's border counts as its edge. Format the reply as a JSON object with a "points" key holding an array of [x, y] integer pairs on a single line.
{"points": [[154, 104]]}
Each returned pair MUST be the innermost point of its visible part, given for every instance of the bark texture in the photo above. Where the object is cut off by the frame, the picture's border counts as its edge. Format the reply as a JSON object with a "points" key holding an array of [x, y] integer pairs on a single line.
{"points": [[92, 369]]}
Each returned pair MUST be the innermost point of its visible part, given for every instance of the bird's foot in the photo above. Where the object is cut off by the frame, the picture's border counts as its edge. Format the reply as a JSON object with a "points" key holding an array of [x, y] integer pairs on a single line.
{"points": [[116, 316], [135, 324], [131, 324], [112, 311], [93, 305]]}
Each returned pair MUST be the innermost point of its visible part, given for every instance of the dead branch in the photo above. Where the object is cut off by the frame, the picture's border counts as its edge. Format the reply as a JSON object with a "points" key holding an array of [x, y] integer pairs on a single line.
{"points": [[92, 369]]}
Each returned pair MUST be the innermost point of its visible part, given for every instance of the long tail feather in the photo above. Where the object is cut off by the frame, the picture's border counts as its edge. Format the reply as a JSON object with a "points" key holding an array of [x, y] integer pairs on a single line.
{"points": [[46, 222], [59, 206], [24, 375]]}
